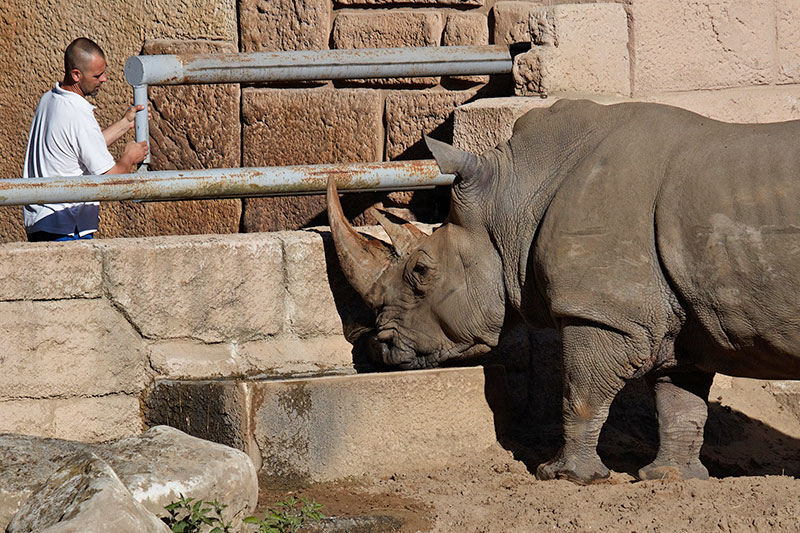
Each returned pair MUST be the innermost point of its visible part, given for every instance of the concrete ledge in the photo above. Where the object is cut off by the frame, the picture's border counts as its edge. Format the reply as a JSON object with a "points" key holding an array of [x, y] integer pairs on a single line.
{"points": [[335, 427]]}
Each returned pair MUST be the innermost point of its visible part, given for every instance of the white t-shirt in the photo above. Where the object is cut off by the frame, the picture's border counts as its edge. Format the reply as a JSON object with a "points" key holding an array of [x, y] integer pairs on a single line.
{"points": [[65, 140]]}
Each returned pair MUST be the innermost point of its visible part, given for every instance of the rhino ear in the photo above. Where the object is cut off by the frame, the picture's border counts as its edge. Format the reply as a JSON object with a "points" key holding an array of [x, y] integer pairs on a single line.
{"points": [[405, 236], [466, 166]]}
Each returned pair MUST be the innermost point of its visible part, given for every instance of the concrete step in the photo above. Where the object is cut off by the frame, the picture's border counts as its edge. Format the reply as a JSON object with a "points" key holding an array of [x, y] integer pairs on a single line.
{"points": [[335, 427]]}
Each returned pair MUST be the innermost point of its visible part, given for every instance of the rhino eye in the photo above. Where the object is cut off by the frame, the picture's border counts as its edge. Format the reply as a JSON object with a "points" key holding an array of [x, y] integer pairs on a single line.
{"points": [[420, 269]]}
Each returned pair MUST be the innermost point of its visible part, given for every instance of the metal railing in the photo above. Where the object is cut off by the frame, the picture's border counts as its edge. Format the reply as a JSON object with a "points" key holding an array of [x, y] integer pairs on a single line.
{"points": [[142, 71], [224, 183]]}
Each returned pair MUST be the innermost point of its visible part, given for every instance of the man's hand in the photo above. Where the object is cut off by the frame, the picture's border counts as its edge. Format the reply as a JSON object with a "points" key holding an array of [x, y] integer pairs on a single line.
{"points": [[121, 127], [134, 153], [130, 114]]}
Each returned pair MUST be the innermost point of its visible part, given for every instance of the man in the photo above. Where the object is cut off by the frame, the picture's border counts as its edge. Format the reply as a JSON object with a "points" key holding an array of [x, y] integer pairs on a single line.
{"points": [[65, 140]]}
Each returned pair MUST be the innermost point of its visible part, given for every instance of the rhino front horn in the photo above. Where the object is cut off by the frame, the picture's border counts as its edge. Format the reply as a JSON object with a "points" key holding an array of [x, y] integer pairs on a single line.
{"points": [[362, 260]]}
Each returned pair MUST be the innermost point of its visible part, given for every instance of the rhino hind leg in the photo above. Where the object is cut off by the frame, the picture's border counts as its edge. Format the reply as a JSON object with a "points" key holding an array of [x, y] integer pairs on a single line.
{"points": [[591, 381], [681, 405]]}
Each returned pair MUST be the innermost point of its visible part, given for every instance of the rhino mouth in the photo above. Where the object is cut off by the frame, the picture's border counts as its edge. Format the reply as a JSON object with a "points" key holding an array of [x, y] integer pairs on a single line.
{"points": [[387, 354]]}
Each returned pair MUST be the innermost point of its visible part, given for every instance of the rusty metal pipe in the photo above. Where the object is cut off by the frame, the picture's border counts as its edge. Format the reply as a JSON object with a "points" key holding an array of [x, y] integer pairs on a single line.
{"points": [[317, 65], [224, 183]]}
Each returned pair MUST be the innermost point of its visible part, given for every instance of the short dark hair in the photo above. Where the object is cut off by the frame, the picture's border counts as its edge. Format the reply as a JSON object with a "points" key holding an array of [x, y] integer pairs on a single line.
{"points": [[79, 52]]}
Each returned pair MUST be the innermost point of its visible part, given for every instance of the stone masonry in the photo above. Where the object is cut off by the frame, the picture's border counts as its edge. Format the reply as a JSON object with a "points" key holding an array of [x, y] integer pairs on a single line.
{"points": [[740, 60]]}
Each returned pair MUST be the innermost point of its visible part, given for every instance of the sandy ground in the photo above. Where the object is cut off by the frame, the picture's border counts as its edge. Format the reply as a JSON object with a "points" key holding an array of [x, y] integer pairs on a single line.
{"points": [[755, 484]]}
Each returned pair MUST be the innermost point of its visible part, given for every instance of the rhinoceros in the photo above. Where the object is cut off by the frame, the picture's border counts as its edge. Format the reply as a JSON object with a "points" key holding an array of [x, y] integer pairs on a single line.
{"points": [[658, 242]]}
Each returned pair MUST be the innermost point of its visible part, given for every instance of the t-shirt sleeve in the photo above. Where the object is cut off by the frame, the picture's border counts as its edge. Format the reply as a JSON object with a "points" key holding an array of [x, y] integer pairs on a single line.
{"points": [[93, 152]]}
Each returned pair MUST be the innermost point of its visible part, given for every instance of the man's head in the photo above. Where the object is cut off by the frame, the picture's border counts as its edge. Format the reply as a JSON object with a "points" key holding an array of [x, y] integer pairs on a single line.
{"points": [[84, 66]]}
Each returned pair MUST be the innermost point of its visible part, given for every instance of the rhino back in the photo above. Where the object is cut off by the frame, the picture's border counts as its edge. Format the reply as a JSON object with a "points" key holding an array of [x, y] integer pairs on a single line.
{"points": [[728, 233]]}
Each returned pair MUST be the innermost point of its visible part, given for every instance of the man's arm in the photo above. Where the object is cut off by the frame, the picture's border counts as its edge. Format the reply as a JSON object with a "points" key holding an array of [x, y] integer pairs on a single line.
{"points": [[134, 153], [121, 127]]}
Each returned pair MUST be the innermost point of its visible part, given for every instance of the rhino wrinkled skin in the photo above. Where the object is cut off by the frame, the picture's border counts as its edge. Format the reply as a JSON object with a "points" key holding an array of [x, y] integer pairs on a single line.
{"points": [[658, 242]]}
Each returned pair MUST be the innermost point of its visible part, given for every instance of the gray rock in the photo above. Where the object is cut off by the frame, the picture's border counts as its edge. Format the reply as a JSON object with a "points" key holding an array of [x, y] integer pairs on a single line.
{"points": [[84, 495], [155, 466]]}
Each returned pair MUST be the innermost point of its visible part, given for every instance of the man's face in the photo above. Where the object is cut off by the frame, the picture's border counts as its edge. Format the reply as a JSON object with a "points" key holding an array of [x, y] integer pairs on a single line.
{"points": [[92, 75]]}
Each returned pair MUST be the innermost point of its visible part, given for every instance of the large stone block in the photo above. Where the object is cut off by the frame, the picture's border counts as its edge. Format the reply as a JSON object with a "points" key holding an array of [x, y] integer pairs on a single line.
{"points": [[788, 34], [386, 29], [94, 419], [706, 44], [311, 126], [563, 60], [337, 427], [210, 288], [748, 105], [391, 3], [314, 285], [50, 271], [306, 126], [268, 25], [84, 495], [68, 348], [156, 466], [466, 29], [483, 124], [410, 115], [185, 19], [512, 21]]}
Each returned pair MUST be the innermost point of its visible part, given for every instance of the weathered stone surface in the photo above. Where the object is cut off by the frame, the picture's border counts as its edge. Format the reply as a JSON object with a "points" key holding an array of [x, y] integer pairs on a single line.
{"points": [[483, 124], [749, 105], [466, 29], [562, 60], [512, 21], [11, 226], [210, 288], [84, 495], [410, 115], [384, 29], [68, 348], [283, 355], [187, 19], [155, 466], [306, 126], [288, 356], [788, 33], [311, 126], [390, 3], [44, 271], [311, 306], [336, 427], [709, 44], [216, 411], [268, 25]]}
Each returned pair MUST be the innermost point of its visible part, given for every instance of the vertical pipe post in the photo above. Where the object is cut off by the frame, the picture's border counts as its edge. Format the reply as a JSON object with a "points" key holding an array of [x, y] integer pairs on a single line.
{"points": [[142, 123]]}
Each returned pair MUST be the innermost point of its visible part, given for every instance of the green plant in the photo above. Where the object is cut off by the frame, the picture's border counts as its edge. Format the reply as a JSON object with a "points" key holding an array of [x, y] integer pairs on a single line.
{"points": [[188, 516], [288, 516]]}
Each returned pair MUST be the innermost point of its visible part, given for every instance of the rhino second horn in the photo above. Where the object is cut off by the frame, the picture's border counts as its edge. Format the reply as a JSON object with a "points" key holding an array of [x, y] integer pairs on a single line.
{"points": [[405, 236], [362, 260], [451, 160]]}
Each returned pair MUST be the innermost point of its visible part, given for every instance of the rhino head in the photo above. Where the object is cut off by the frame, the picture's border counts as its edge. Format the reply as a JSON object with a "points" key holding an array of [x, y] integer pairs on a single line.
{"points": [[436, 297]]}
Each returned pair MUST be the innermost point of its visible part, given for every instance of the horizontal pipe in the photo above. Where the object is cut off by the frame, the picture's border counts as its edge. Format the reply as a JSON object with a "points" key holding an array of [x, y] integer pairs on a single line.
{"points": [[317, 65], [224, 183]]}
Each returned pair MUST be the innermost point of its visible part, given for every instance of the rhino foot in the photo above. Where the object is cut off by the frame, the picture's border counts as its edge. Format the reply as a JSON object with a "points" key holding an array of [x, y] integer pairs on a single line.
{"points": [[584, 472], [662, 470]]}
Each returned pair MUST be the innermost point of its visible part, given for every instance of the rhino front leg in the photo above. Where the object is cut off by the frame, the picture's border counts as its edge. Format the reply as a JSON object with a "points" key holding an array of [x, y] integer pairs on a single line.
{"points": [[593, 375], [681, 405]]}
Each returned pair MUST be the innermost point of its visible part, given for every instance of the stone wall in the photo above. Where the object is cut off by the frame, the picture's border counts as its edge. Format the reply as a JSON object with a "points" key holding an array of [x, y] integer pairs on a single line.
{"points": [[736, 60]]}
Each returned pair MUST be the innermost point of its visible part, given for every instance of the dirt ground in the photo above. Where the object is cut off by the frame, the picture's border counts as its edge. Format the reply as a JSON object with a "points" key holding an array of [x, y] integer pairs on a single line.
{"points": [[755, 484]]}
